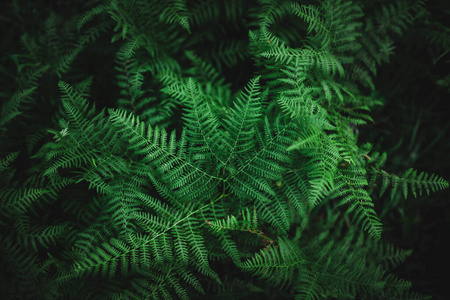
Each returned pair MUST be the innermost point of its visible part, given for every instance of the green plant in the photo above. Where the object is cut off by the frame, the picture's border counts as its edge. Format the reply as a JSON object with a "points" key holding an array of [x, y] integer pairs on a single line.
{"points": [[184, 183]]}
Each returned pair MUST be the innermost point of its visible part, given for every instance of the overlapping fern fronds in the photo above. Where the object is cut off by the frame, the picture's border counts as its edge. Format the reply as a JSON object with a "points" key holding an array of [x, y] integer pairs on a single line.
{"points": [[198, 172]]}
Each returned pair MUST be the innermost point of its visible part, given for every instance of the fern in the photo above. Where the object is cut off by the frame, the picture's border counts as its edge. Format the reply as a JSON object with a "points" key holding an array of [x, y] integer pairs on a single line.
{"points": [[410, 181], [155, 150]]}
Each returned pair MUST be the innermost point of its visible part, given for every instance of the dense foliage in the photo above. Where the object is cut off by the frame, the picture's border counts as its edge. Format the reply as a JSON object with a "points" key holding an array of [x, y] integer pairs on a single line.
{"points": [[209, 149]]}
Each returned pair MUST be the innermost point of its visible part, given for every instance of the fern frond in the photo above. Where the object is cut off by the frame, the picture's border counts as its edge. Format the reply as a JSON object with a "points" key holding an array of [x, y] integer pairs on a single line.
{"points": [[90, 15], [189, 180], [240, 125], [43, 237], [390, 255], [277, 264], [271, 12], [29, 272], [351, 188], [17, 201], [321, 168], [201, 125], [309, 58], [201, 122], [7, 161], [310, 284], [175, 11], [22, 98], [313, 16], [250, 178], [76, 107], [410, 181], [248, 223]]}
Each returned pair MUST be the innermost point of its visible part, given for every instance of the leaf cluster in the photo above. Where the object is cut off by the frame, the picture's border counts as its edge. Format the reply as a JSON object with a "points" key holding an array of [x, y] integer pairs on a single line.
{"points": [[187, 181]]}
